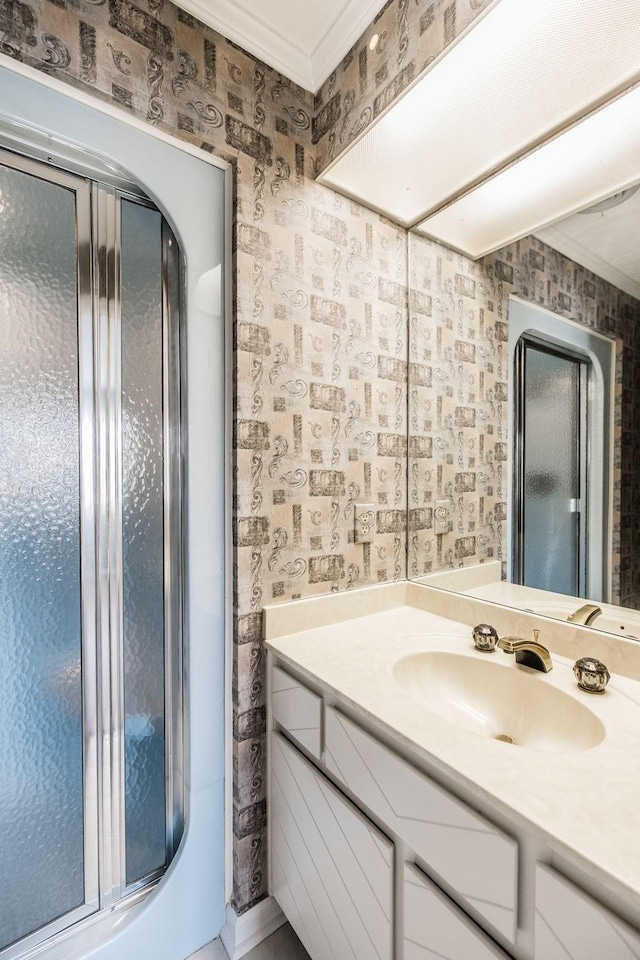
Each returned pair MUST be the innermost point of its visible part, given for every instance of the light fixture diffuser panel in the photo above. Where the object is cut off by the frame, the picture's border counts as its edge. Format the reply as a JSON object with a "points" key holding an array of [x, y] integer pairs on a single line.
{"points": [[523, 71], [593, 159]]}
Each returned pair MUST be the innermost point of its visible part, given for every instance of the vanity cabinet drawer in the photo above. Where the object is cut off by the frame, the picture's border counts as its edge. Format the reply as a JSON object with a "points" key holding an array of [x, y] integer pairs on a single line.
{"points": [[298, 710], [332, 869], [465, 852], [571, 925], [434, 927]]}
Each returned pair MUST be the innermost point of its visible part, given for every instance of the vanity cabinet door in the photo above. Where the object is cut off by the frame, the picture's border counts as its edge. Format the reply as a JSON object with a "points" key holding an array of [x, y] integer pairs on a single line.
{"points": [[475, 861], [297, 709], [332, 870], [571, 925], [434, 928]]}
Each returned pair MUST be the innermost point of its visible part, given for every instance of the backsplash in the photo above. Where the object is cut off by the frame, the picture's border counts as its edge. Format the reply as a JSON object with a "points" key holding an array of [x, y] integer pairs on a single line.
{"points": [[458, 446]]}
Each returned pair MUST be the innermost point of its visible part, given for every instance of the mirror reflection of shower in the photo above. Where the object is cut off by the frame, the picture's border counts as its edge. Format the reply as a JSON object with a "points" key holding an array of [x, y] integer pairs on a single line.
{"points": [[550, 477], [561, 428]]}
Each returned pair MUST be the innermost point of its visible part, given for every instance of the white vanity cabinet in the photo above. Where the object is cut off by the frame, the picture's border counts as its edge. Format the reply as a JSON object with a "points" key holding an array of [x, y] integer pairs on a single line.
{"points": [[434, 928], [571, 925], [297, 709], [332, 870], [373, 859], [473, 859]]}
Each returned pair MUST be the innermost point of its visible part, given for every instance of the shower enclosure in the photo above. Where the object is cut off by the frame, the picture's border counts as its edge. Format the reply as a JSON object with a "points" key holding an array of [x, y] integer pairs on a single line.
{"points": [[113, 594], [91, 799]]}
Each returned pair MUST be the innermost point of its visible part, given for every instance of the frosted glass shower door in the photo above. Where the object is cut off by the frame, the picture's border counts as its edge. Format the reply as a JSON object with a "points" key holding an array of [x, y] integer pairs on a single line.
{"points": [[91, 785], [552, 439], [143, 540], [48, 856]]}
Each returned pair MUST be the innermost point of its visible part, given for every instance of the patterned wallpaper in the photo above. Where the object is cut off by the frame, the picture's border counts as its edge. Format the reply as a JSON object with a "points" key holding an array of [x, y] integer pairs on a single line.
{"points": [[458, 396], [162, 65], [320, 424], [412, 33], [457, 410]]}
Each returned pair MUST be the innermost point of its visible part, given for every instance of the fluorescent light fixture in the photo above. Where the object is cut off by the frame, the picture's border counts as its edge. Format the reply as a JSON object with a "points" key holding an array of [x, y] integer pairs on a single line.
{"points": [[520, 74], [592, 160]]}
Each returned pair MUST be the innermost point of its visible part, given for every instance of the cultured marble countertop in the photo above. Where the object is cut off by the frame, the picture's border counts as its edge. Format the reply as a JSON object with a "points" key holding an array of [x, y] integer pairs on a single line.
{"points": [[586, 801]]}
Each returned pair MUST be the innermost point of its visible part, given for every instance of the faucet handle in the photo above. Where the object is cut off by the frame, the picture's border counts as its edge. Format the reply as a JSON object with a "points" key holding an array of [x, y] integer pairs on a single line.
{"points": [[591, 674], [485, 637]]}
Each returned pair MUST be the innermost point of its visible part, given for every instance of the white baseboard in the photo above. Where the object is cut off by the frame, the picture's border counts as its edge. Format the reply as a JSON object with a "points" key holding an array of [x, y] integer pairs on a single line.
{"points": [[242, 933]]}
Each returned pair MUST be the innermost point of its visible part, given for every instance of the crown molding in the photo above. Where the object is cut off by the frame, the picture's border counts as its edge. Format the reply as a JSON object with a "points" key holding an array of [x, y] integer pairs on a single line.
{"points": [[340, 38], [256, 37], [307, 68], [569, 247]]}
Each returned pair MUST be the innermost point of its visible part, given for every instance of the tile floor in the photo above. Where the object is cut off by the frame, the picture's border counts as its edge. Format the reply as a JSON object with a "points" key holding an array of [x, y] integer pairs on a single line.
{"points": [[281, 945]]}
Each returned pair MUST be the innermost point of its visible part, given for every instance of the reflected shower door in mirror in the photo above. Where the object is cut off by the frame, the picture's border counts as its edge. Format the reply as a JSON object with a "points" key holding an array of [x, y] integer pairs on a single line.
{"points": [[549, 476], [463, 330], [560, 422]]}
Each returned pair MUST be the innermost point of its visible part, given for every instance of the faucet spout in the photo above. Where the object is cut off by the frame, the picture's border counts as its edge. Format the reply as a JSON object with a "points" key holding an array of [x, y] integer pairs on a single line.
{"points": [[585, 614], [530, 653]]}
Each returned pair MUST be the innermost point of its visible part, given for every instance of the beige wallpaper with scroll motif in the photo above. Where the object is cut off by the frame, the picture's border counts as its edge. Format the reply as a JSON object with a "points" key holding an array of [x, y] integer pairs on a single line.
{"points": [[459, 393], [320, 424], [457, 411]]}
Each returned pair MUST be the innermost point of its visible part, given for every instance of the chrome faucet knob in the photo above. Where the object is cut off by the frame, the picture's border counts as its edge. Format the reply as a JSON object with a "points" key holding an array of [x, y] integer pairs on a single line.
{"points": [[485, 637], [591, 674]]}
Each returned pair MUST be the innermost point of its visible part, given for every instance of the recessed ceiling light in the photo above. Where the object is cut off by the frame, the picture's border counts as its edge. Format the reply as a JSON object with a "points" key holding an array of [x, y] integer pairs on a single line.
{"points": [[373, 43]]}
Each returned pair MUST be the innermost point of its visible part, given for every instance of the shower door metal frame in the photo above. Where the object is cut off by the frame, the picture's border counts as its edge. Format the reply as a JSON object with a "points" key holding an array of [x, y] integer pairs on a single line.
{"points": [[98, 230], [580, 509], [87, 558], [175, 606]]}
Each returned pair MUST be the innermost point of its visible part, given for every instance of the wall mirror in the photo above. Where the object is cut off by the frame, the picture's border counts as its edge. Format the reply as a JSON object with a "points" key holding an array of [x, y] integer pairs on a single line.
{"points": [[524, 434], [489, 144]]}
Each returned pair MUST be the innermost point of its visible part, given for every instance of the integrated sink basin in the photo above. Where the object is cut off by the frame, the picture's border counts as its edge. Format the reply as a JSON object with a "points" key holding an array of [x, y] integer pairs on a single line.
{"points": [[500, 701]]}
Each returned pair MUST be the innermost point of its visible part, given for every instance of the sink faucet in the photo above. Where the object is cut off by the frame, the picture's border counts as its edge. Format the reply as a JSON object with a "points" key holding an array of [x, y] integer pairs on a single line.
{"points": [[585, 614], [530, 653]]}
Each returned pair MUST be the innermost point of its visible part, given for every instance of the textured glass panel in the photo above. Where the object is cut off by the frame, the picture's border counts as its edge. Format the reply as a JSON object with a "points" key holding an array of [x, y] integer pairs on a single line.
{"points": [[142, 438], [41, 802], [551, 472]]}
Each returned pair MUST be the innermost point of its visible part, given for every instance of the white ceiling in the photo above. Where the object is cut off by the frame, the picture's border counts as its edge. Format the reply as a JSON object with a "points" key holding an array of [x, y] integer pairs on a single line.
{"points": [[607, 243], [304, 40]]}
